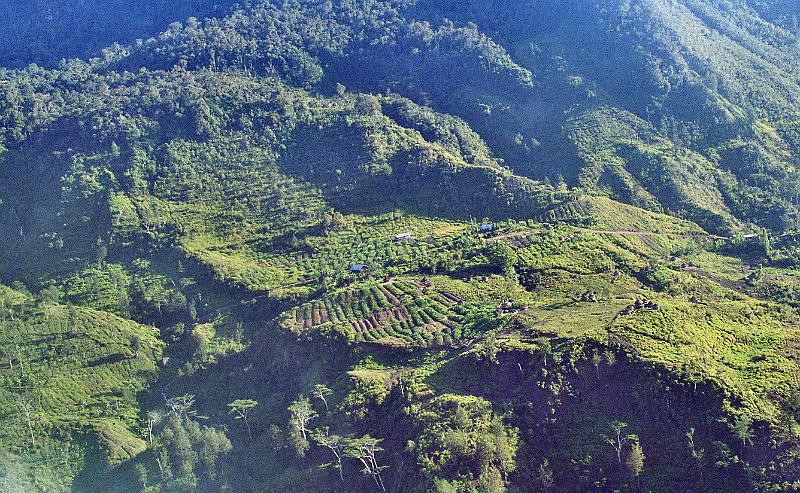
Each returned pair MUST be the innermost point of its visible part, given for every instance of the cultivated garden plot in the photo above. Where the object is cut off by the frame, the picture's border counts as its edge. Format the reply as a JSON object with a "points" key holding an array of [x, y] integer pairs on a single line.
{"points": [[403, 312]]}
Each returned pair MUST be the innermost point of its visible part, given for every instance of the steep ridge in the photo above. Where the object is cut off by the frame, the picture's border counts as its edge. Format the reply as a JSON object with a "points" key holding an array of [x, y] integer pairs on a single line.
{"points": [[407, 246]]}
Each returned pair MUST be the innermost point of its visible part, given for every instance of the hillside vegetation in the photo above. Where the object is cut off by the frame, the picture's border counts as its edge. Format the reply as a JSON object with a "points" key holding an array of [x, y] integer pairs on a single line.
{"points": [[403, 246]]}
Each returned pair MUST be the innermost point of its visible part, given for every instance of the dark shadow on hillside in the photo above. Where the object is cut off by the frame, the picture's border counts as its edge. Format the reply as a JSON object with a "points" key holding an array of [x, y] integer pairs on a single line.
{"points": [[564, 412]]}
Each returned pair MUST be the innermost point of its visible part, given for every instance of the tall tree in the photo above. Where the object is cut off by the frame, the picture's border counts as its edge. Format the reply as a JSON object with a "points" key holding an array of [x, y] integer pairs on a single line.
{"points": [[321, 392], [181, 405], [546, 475], [334, 443], [153, 417], [635, 460], [302, 414], [741, 427], [365, 450], [25, 404], [240, 408], [618, 440]]}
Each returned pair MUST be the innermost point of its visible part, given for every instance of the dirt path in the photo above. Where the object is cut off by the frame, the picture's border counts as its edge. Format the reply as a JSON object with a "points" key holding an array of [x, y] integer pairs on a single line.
{"points": [[616, 232], [650, 233], [725, 283]]}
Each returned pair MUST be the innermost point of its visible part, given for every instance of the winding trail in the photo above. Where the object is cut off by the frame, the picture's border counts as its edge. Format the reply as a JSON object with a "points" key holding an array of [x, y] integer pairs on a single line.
{"points": [[617, 232]]}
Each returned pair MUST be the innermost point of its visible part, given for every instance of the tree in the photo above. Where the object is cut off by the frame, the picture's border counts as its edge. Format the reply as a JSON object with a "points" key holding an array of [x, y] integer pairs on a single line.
{"points": [[697, 454], [546, 475], [182, 405], [141, 475], [546, 347], [741, 427], [597, 360], [331, 220], [635, 460], [192, 451], [302, 414], [561, 184], [102, 252], [610, 357], [321, 392], [334, 443], [200, 345], [295, 440], [51, 295], [365, 449], [240, 409], [153, 417], [136, 344], [367, 104], [26, 408], [766, 242], [7, 308], [502, 257], [490, 481], [192, 312], [617, 440]]}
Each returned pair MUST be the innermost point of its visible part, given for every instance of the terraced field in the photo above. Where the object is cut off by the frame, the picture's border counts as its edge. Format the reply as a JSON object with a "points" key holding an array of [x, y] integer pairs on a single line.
{"points": [[401, 312], [81, 367]]}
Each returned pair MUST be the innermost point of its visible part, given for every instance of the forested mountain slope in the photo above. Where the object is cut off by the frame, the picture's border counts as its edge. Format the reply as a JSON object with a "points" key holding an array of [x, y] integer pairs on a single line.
{"points": [[48, 31], [710, 83], [403, 245]]}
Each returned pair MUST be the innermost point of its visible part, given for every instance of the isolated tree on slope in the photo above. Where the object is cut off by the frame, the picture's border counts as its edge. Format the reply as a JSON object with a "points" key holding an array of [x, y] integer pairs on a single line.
{"points": [[302, 414], [321, 392], [635, 461], [334, 443], [365, 449], [240, 408]]}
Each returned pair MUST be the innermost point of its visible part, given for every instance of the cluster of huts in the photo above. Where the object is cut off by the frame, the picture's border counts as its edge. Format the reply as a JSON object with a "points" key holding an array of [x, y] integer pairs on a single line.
{"points": [[588, 296], [640, 304]]}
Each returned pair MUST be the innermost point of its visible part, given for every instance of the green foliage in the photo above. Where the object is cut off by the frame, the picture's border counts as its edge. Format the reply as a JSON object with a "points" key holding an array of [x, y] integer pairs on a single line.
{"points": [[103, 288], [72, 372], [635, 460], [502, 257], [366, 449], [466, 444], [301, 414], [187, 457], [221, 180], [335, 444]]}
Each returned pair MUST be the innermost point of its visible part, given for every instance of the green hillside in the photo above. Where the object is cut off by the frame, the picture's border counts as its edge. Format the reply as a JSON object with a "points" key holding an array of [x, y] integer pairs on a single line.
{"points": [[403, 246], [70, 379]]}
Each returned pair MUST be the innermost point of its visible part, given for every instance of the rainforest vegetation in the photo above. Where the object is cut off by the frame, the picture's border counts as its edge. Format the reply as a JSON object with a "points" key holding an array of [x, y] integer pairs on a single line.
{"points": [[400, 246]]}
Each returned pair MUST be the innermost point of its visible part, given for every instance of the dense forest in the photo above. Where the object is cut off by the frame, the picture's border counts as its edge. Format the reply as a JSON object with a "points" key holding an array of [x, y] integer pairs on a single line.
{"points": [[45, 32], [400, 246]]}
